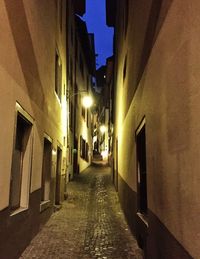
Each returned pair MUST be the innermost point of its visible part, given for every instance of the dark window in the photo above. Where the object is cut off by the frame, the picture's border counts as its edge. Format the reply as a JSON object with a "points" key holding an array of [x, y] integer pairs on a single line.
{"points": [[141, 170], [83, 111], [20, 175], [58, 76], [58, 176], [46, 170], [124, 69], [81, 153], [84, 148], [87, 152]]}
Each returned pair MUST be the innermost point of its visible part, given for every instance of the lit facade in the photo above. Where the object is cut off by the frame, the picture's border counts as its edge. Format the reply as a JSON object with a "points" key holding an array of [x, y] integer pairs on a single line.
{"points": [[156, 144], [80, 72], [33, 118]]}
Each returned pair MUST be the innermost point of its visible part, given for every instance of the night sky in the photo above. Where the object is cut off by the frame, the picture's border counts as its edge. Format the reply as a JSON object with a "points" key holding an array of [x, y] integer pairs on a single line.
{"points": [[95, 18]]}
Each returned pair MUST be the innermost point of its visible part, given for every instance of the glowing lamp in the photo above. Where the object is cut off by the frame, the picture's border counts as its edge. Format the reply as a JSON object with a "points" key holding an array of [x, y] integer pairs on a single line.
{"points": [[87, 101], [103, 128]]}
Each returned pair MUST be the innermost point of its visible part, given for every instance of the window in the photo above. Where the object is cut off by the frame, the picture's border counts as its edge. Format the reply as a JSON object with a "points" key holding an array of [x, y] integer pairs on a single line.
{"points": [[83, 111], [141, 169], [87, 152], [21, 161], [58, 76], [124, 68], [84, 148], [46, 170], [58, 176]]}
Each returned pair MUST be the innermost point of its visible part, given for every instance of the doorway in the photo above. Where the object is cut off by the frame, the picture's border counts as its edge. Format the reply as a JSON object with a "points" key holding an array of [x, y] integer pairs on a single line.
{"points": [[58, 175], [142, 204], [141, 169], [75, 157], [46, 170]]}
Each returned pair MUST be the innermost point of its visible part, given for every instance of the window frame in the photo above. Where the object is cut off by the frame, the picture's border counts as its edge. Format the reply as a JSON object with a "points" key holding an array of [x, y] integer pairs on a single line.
{"points": [[58, 76], [142, 202], [44, 175], [25, 163]]}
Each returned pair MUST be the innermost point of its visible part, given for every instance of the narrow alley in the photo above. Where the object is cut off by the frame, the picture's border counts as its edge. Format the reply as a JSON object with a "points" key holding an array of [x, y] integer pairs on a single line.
{"points": [[99, 129], [89, 225]]}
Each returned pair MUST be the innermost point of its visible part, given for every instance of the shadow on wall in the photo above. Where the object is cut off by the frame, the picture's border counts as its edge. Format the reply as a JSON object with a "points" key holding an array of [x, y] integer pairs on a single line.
{"points": [[25, 51], [158, 13]]}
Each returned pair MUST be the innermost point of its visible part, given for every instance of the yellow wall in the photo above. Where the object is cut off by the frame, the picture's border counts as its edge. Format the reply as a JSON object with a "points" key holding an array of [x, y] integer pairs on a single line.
{"points": [[27, 68], [168, 96]]}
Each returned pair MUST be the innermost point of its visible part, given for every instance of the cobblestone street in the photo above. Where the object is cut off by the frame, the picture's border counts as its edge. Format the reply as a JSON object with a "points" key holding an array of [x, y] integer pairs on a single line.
{"points": [[89, 225]]}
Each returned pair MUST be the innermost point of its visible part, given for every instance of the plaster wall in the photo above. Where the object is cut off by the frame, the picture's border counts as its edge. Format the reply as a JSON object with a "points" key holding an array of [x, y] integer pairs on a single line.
{"points": [[168, 97], [27, 68], [83, 129]]}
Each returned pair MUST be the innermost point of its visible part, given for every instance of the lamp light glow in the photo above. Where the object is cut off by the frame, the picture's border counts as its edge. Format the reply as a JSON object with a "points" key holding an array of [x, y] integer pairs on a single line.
{"points": [[103, 128], [87, 101]]}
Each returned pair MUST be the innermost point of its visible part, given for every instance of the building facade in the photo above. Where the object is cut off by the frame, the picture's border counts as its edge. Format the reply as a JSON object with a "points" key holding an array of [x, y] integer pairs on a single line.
{"points": [[156, 144], [81, 66], [40, 125]]}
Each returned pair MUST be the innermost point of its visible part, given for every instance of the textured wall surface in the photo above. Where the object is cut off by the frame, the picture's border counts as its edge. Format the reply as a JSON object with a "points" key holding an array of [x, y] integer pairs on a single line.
{"points": [[167, 95]]}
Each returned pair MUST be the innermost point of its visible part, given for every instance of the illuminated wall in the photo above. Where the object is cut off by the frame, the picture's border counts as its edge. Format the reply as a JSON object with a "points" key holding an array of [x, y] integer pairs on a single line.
{"points": [[79, 82], [32, 34], [156, 77]]}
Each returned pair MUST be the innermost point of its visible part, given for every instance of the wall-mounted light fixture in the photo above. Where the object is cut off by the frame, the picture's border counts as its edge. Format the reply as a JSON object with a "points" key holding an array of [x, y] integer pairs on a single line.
{"points": [[103, 128], [87, 100]]}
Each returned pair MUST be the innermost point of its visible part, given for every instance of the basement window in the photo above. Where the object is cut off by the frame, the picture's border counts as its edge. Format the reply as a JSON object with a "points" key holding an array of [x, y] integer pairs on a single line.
{"points": [[141, 169], [21, 161]]}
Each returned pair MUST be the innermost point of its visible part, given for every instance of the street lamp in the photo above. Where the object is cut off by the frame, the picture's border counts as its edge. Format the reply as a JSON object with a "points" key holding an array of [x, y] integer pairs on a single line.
{"points": [[103, 129], [87, 101]]}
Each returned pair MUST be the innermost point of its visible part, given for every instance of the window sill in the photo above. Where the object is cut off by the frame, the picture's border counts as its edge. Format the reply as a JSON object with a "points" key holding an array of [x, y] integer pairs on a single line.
{"points": [[45, 205], [144, 218], [17, 211]]}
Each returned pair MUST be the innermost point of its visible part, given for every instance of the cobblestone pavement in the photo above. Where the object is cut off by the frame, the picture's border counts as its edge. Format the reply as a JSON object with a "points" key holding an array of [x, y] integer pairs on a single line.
{"points": [[89, 225]]}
